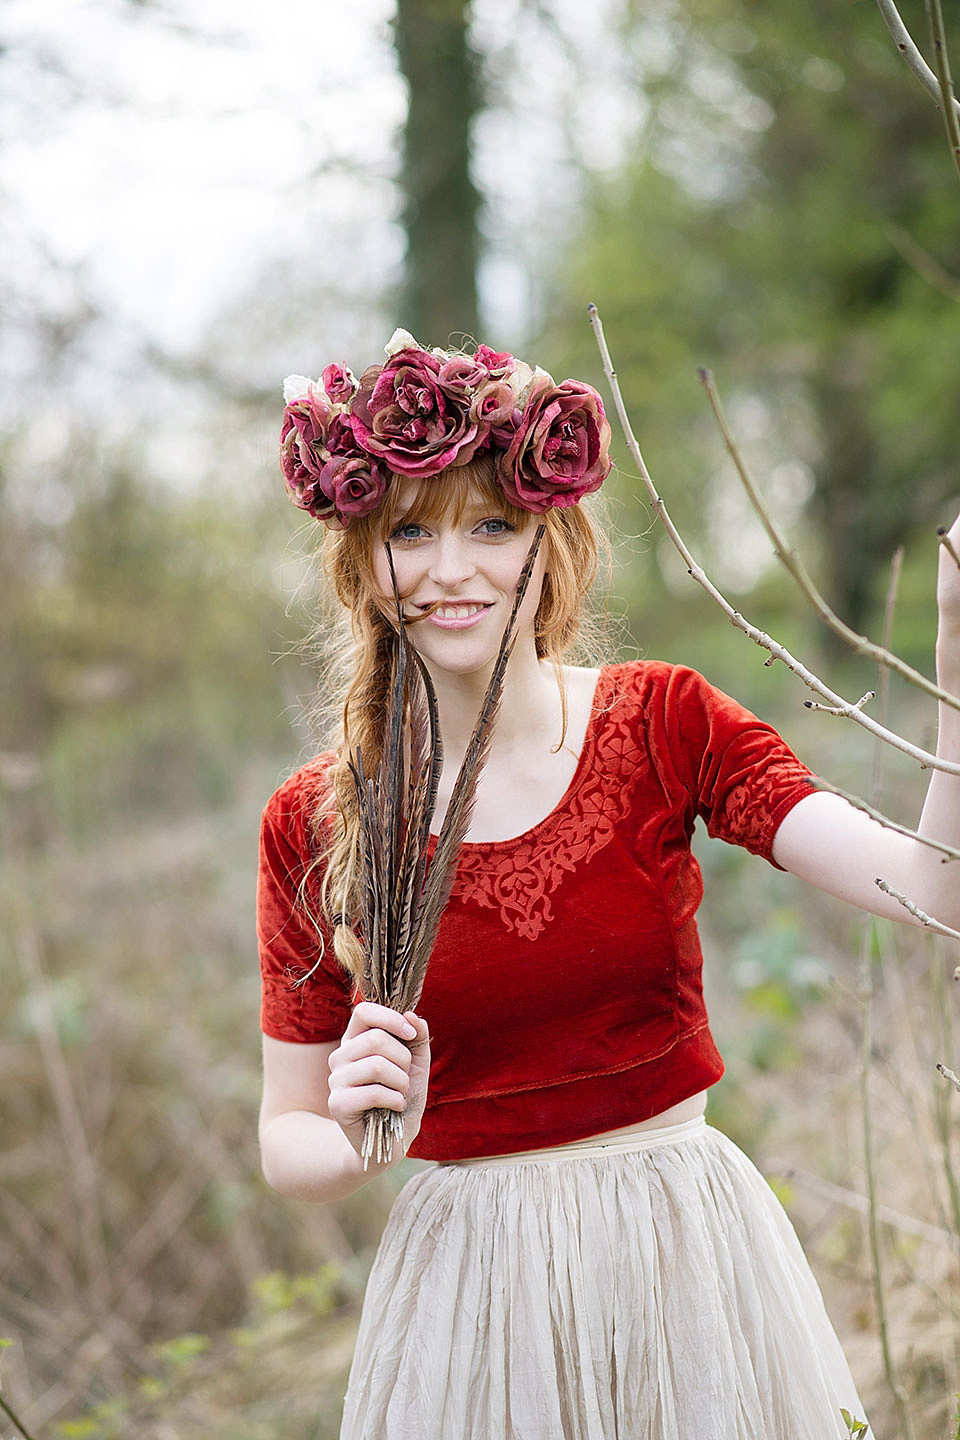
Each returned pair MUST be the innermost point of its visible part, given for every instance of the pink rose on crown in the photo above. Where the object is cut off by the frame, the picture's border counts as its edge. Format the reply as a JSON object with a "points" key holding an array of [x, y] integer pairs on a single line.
{"points": [[354, 484], [405, 415], [303, 451], [340, 384], [560, 448], [303, 430], [497, 363]]}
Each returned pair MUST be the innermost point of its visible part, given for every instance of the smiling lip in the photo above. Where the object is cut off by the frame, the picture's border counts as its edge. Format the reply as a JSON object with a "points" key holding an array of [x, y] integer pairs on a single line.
{"points": [[457, 614]]}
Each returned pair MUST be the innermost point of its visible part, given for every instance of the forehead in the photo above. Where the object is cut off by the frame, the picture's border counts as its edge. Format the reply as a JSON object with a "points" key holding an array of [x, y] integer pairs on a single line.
{"points": [[450, 497]]}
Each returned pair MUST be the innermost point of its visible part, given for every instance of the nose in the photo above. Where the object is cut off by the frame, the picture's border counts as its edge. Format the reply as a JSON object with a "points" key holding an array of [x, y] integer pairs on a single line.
{"points": [[451, 562]]}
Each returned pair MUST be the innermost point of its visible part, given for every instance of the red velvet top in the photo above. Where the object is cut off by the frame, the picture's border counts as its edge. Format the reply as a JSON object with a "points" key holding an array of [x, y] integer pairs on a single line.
{"points": [[564, 993]]}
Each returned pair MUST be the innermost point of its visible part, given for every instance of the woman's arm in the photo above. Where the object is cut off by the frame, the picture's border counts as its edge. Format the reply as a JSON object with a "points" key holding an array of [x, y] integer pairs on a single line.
{"points": [[315, 1098], [842, 851]]}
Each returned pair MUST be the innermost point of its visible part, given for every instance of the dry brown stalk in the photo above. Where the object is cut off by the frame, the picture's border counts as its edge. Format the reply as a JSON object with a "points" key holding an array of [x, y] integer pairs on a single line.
{"points": [[14, 1419], [777, 651], [795, 567], [925, 265], [80, 1163], [915, 61], [944, 79], [853, 1200]]}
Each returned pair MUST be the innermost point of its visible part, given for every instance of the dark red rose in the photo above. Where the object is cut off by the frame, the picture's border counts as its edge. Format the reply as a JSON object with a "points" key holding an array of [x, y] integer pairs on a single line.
{"points": [[404, 415], [354, 484], [560, 450]]}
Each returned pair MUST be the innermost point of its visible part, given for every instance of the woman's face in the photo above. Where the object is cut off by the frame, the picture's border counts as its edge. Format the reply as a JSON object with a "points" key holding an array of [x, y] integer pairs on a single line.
{"points": [[468, 567]]}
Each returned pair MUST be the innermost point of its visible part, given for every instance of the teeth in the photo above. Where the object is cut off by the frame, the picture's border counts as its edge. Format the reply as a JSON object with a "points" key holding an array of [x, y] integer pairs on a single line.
{"points": [[457, 612]]}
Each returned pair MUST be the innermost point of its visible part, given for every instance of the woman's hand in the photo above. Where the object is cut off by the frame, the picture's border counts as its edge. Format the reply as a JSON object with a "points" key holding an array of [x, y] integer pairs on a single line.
{"points": [[382, 1062]]}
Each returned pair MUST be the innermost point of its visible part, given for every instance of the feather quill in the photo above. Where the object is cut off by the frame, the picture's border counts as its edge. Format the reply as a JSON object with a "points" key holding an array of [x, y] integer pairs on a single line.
{"points": [[403, 897]]}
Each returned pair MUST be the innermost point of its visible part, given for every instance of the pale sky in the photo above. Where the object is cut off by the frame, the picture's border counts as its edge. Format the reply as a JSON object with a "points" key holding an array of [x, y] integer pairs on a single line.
{"points": [[170, 151], [171, 158]]}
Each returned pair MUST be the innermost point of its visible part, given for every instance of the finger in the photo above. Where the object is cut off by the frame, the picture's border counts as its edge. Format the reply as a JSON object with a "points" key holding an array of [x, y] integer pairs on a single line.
{"points": [[369, 1016], [348, 1107], [370, 1070], [371, 1042], [421, 1027]]}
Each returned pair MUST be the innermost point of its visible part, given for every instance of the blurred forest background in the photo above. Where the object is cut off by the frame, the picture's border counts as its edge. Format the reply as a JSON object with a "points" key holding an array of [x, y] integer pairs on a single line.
{"points": [[198, 201]]}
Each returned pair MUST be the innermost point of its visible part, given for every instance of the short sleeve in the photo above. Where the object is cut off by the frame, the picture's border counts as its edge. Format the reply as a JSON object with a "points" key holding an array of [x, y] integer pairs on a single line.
{"points": [[741, 776], [306, 996]]}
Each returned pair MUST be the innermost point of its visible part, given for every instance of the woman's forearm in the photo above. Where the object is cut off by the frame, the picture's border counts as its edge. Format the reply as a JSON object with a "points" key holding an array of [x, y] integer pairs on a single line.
{"points": [[939, 880], [305, 1156]]}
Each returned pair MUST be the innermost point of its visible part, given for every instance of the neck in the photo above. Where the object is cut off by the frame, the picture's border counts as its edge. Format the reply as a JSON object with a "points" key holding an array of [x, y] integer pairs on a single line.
{"points": [[530, 706]]}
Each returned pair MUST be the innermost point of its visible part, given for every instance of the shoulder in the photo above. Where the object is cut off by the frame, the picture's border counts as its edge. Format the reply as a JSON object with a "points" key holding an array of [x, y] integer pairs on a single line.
{"points": [[295, 806], [650, 685]]}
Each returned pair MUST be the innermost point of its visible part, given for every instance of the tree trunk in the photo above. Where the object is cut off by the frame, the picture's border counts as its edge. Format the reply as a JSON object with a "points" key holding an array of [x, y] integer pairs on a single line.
{"points": [[439, 299]]}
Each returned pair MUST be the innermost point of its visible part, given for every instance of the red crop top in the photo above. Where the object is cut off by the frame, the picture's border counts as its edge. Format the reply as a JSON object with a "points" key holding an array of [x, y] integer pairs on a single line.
{"points": [[564, 993]]}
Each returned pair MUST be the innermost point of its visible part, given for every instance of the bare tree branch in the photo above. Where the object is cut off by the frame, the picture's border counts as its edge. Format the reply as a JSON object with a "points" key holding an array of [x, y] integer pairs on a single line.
{"points": [[927, 920], [941, 59], [777, 651], [911, 54], [949, 852], [947, 543], [795, 567]]}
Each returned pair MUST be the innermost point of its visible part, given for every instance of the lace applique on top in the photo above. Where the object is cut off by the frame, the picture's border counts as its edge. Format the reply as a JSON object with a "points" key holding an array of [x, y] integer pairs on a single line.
{"points": [[518, 876]]}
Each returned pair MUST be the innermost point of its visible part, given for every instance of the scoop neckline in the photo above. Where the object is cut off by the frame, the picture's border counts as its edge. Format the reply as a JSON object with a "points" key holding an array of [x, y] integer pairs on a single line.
{"points": [[575, 780]]}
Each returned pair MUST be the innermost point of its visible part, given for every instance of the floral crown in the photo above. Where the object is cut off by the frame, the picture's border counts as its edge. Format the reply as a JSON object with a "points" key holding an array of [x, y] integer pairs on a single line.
{"points": [[343, 440]]}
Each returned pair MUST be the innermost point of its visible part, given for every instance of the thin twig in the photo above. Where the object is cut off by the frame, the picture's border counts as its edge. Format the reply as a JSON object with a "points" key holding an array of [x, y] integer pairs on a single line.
{"points": [[836, 710], [924, 757], [947, 543], [80, 1161], [925, 264], [853, 1200], [949, 852], [926, 920], [14, 1419], [911, 54], [883, 673], [795, 567], [943, 1111], [870, 1175], [941, 60]]}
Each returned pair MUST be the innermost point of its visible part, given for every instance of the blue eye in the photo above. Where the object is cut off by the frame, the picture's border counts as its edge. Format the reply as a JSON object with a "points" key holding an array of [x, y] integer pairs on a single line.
{"points": [[496, 525], [407, 532]]}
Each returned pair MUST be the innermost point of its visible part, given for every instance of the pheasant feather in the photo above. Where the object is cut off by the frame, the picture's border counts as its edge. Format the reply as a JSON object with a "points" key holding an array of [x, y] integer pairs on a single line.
{"points": [[404, 896]]}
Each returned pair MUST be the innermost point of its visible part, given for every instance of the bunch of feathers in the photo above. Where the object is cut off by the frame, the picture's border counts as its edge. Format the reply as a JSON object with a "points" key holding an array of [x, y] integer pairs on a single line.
{"points": [[404, 896]]}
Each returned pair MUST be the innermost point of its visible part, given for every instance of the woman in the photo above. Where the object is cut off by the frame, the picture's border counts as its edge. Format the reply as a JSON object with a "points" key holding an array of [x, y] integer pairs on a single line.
{"points": [[588, 1258]]}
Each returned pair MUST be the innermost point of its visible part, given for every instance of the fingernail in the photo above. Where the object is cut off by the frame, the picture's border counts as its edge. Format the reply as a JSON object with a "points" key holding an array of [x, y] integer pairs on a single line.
{"points": [[409, 1031]]}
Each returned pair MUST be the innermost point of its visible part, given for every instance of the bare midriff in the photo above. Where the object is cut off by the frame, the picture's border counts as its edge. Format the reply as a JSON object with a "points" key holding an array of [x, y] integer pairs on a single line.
{"points": [[688, 1109]]}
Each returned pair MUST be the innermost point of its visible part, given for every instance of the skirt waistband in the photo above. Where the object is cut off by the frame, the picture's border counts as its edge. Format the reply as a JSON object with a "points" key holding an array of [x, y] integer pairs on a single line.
{"points": [[613, 1145]]}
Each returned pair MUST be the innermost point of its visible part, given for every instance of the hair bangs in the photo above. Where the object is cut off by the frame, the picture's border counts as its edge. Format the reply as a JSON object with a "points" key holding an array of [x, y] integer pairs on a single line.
{"points": [[447, 496]]}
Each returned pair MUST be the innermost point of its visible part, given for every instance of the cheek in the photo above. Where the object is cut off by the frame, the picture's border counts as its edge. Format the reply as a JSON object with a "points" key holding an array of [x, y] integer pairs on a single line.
{"points": [[531, 601]]}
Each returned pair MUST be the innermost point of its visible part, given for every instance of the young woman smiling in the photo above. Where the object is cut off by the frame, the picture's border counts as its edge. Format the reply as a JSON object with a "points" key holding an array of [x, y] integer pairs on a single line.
{"points": [[586, 1258]]}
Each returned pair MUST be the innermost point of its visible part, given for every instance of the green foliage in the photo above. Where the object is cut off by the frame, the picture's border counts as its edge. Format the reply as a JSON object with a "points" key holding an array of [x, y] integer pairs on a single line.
{"points": [[856, 1429], [764, 228], [138, 642]]}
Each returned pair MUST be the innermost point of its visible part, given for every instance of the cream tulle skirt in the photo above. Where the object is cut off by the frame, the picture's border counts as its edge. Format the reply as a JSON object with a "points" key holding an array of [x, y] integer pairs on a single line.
{"points": [[648, 1289]]}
